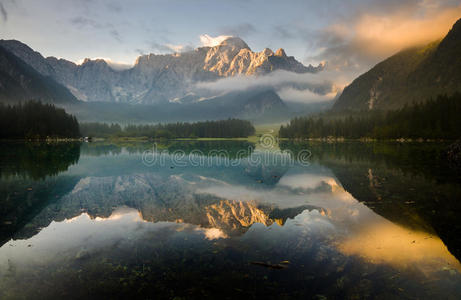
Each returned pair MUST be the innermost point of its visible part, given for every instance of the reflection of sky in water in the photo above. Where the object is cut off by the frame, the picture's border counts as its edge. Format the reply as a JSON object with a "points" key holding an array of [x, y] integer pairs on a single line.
{"points": [[358, 230], [82, 235], [335, 219]]}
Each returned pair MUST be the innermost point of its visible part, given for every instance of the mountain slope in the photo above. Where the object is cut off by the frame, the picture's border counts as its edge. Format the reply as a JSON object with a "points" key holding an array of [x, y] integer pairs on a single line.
{"points": [[258, 106], [412, 75], [19, 82], [251, 105], [157, 78]]}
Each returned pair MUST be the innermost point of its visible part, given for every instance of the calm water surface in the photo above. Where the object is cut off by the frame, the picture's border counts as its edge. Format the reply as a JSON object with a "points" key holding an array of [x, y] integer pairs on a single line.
{"points": [[353, 221]]}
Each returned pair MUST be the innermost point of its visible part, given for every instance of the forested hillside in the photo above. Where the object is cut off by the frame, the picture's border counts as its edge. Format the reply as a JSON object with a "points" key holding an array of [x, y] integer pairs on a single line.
{"points": [[35, 120], [435, 119]]}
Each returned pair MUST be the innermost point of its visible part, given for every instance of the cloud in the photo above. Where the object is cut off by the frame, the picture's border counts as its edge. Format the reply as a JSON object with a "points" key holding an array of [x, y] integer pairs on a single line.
{"points": [[240, 30], [166, 48], [179, 48], [116, 65], [290, 86], [362, 39], [84, 22], [274, 79], [114, 7], [208, 41], [382, 35], [283, 32], [157, 47], [116, 35], [291, 94], [3, 12], [213, 233], [174, 48]]}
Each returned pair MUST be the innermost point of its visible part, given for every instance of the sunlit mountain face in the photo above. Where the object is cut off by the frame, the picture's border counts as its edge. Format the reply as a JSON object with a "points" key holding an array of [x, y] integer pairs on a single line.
{"points": [[160, 78], [110, 224]]}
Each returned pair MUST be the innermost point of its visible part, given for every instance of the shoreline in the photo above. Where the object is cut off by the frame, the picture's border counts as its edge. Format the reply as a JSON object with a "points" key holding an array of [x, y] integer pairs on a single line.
{"points": [[254, 139]]}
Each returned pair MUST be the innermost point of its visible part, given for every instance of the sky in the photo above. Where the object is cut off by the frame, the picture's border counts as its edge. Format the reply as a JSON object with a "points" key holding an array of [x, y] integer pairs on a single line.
{"points": [[350, 36]]}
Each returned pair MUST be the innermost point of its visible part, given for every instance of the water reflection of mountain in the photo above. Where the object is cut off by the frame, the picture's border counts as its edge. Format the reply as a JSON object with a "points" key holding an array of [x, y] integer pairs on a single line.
{"points": [[104, 220], [27, 202], [216, 226], [410, 184], [387, 178], [160, 198]]}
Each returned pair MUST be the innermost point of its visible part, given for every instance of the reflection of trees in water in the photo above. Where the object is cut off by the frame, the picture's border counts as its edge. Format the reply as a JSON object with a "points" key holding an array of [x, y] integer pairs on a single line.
{"points": [[226, 149], [37, 160], [229, 149], [29, 180], [424, 159], [407, 183], [22, 199]]}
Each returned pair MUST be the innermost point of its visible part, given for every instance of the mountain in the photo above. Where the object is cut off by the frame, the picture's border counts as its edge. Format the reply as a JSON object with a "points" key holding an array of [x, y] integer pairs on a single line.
{"points": [[412, 75], [157, 78], [20, 82], [260, 106], [252, 105]]}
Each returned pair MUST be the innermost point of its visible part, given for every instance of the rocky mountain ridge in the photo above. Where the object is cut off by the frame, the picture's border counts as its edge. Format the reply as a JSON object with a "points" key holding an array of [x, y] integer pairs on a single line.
{"points": [[20, 82], [157, 78]]}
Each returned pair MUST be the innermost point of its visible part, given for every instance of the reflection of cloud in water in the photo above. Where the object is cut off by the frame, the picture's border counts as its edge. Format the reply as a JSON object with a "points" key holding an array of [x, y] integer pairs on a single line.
{"points": [[313, 222], [341, 222], [72, 237], [293, 189], [306, 181], [365, 233], [385, 242], [213, 233], [357, 229]]}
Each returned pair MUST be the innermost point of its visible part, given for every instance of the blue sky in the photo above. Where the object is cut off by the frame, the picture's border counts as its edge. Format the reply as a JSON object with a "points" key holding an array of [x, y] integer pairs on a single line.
{"points": [[346, 34]]}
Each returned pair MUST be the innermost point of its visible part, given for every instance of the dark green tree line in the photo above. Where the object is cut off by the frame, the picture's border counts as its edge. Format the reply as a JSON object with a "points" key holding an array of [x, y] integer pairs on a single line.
{"points": [[434, 119], [36, 120], [231, 128]]}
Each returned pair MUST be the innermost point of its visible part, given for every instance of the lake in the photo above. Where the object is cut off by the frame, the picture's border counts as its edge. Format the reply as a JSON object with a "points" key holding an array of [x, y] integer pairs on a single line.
{"points": [[227, 219]]}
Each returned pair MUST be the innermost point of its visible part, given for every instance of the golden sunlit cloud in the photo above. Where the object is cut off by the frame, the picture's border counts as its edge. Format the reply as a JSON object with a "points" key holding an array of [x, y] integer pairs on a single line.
{"points": [[359, 42], [392, 244], [214, 233], [176, 48], [387, 34]]}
